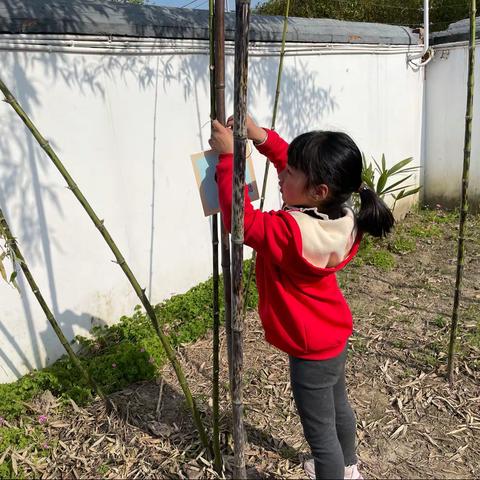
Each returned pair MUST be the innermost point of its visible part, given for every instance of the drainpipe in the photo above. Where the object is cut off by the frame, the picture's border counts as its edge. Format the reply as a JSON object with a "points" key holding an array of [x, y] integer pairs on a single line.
{"points": [[428, 52]]}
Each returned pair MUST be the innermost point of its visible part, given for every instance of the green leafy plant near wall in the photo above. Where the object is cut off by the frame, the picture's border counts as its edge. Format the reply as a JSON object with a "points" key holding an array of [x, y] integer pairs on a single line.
{"points": [[378, 178], [121, 354]]}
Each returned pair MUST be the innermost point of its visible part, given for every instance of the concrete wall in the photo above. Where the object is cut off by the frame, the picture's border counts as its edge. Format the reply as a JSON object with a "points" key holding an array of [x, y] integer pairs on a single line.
{"points": [[125, 126], [445, 106]]}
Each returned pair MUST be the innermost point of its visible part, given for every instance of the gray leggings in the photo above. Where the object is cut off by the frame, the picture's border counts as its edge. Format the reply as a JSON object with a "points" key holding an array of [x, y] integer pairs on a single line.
{"points": [[328, 420]]}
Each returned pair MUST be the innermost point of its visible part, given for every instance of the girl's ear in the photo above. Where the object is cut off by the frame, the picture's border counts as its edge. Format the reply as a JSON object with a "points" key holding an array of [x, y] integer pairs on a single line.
{"points": [[320, 192]]}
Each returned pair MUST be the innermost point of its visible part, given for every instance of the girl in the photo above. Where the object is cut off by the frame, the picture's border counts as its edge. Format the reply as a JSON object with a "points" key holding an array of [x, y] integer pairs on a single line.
{"points": [[299, 250]]}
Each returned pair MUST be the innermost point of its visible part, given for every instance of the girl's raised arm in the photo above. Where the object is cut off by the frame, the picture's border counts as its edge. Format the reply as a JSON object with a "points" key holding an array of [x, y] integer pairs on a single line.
{"points": [[275, 148], [267, 142]]}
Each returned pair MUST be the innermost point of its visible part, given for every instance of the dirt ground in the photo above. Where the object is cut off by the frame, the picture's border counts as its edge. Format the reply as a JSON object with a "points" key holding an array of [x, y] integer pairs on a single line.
{"points": [[411, 423]]}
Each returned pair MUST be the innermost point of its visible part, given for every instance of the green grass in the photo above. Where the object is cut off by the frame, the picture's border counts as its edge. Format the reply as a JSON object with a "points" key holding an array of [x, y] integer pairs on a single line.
{"points": [[374, 252], [402, 244], [425, 231]]}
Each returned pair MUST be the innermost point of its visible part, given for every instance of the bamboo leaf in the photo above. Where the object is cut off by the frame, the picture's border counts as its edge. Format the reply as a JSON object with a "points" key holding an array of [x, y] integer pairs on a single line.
{"points": [[403, 187], [399, 166], [391, 187], [377, 165], [2, 267], [384, 163], [404, 193], [13, 281], [381, 182]]}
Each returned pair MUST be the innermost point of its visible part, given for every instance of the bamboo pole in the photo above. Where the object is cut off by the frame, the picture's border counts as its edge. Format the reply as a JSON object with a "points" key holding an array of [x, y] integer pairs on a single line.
{"points": [[267, 162], [220, 108], [238, 192], [10, 99], [216, 313], [464, 201], [13, 246]]}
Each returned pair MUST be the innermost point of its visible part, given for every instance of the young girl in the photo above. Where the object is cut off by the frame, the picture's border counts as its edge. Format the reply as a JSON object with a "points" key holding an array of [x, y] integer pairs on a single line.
{"points": [[299, 250]]}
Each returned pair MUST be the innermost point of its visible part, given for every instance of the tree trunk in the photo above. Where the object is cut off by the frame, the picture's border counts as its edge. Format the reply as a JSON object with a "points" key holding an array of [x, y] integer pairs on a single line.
{"points": [[216, 314], [238, 187], [464, 202], [220, 107]]}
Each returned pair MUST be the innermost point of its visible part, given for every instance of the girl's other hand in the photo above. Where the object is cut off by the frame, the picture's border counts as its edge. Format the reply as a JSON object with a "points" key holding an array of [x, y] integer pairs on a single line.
{"points": [[222, 138], [254, 132]]}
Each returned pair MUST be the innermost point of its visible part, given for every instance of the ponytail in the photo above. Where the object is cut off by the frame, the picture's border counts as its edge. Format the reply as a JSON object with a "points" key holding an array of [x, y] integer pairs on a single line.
{"points": [[374, 216]]}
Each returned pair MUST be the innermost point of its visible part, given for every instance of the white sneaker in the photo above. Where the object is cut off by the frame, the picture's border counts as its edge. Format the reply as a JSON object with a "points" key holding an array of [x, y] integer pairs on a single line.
{"points": [[351, 472], [309, 468]]}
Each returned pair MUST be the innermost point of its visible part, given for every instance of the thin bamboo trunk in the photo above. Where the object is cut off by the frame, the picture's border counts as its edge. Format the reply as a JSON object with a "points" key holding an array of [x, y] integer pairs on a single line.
{"points": [[238, 192], [12, 244], [220, 108], [464, 202], [10, 99], [267, 162], [216, 313]]}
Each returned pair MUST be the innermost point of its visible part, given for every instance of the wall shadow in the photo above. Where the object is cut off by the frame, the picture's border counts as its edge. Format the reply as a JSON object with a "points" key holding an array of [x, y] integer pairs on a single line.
{"points": [[23, 193]]}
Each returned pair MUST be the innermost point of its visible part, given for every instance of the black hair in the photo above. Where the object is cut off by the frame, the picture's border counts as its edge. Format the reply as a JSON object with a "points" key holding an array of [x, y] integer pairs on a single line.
{"points": [[333, 159]]}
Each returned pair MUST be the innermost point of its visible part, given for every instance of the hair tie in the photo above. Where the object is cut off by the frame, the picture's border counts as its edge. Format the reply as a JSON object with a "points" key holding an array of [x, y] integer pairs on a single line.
{"points": [[363, 186]]}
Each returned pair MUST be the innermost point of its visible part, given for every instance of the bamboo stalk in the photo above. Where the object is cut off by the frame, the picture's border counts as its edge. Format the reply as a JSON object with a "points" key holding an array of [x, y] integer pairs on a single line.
{"points": [[267, 162], [10, 99], [464, 201], [220, 108], [216, 313], [238, 192], [13, 246]]}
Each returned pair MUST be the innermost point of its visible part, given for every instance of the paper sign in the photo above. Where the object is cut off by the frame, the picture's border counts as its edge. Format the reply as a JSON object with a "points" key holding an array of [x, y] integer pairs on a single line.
{"points": [[204, 164]]}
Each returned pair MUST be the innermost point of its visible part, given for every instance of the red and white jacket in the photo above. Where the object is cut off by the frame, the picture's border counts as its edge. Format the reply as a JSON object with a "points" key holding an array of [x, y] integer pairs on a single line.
{"points": [[301, 307]]}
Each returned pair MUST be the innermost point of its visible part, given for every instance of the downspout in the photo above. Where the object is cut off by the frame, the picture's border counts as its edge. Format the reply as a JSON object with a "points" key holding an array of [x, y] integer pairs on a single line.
{"points": [[428, 51]]}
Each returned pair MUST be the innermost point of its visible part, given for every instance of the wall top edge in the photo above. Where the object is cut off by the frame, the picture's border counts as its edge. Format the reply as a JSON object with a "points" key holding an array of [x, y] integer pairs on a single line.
{"points": [[86, 17], [456, 32]]}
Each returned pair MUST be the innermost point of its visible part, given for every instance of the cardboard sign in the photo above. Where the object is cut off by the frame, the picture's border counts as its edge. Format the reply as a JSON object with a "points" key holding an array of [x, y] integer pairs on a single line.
{"points": [[204, 164]]}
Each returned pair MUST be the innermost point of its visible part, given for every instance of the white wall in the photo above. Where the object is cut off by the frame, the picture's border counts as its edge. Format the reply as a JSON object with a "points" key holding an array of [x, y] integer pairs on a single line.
{"points": [[446, 99], [125, 126]]}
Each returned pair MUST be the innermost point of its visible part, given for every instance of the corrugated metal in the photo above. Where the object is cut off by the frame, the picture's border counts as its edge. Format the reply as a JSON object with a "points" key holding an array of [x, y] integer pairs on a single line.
{"points": [[91, 18]]}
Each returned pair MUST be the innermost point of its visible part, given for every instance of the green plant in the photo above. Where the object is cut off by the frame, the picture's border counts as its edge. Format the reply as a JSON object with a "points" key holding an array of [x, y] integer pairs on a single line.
{"points": [[372, 253], [402, 244], [120, 354], [382, 185], [16, 438], [425, 231]]}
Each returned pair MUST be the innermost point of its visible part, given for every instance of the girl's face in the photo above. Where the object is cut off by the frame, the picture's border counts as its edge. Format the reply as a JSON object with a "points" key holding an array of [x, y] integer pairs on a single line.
{"points": [[293, 187]]}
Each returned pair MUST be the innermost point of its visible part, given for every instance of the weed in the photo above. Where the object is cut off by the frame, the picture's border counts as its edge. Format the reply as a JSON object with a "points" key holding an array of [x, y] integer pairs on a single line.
{"points": [[438, 215], [425, 231], [371, 252], [103, 469], [440, 321], [402, 244]]}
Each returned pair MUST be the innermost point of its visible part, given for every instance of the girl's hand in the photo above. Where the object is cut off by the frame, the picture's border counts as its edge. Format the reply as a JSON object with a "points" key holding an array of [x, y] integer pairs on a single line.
{"points": [[254, 132], [222, 138]]}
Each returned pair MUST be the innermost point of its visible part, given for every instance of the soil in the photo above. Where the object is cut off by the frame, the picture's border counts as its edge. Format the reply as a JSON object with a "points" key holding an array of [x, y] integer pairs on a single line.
{"points": [[411, 422]]}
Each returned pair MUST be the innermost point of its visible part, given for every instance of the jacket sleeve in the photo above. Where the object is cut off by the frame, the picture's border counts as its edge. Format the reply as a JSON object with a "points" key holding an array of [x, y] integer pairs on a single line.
{"points": [[275, 148], [266, 232]]}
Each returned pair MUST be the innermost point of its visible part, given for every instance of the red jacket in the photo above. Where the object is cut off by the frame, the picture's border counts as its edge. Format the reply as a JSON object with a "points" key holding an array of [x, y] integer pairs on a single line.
{"points": [[301, 307]]}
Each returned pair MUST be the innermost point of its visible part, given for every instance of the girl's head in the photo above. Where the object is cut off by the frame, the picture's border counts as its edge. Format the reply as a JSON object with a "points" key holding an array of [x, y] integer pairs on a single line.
{"points": [[324, 169]]}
